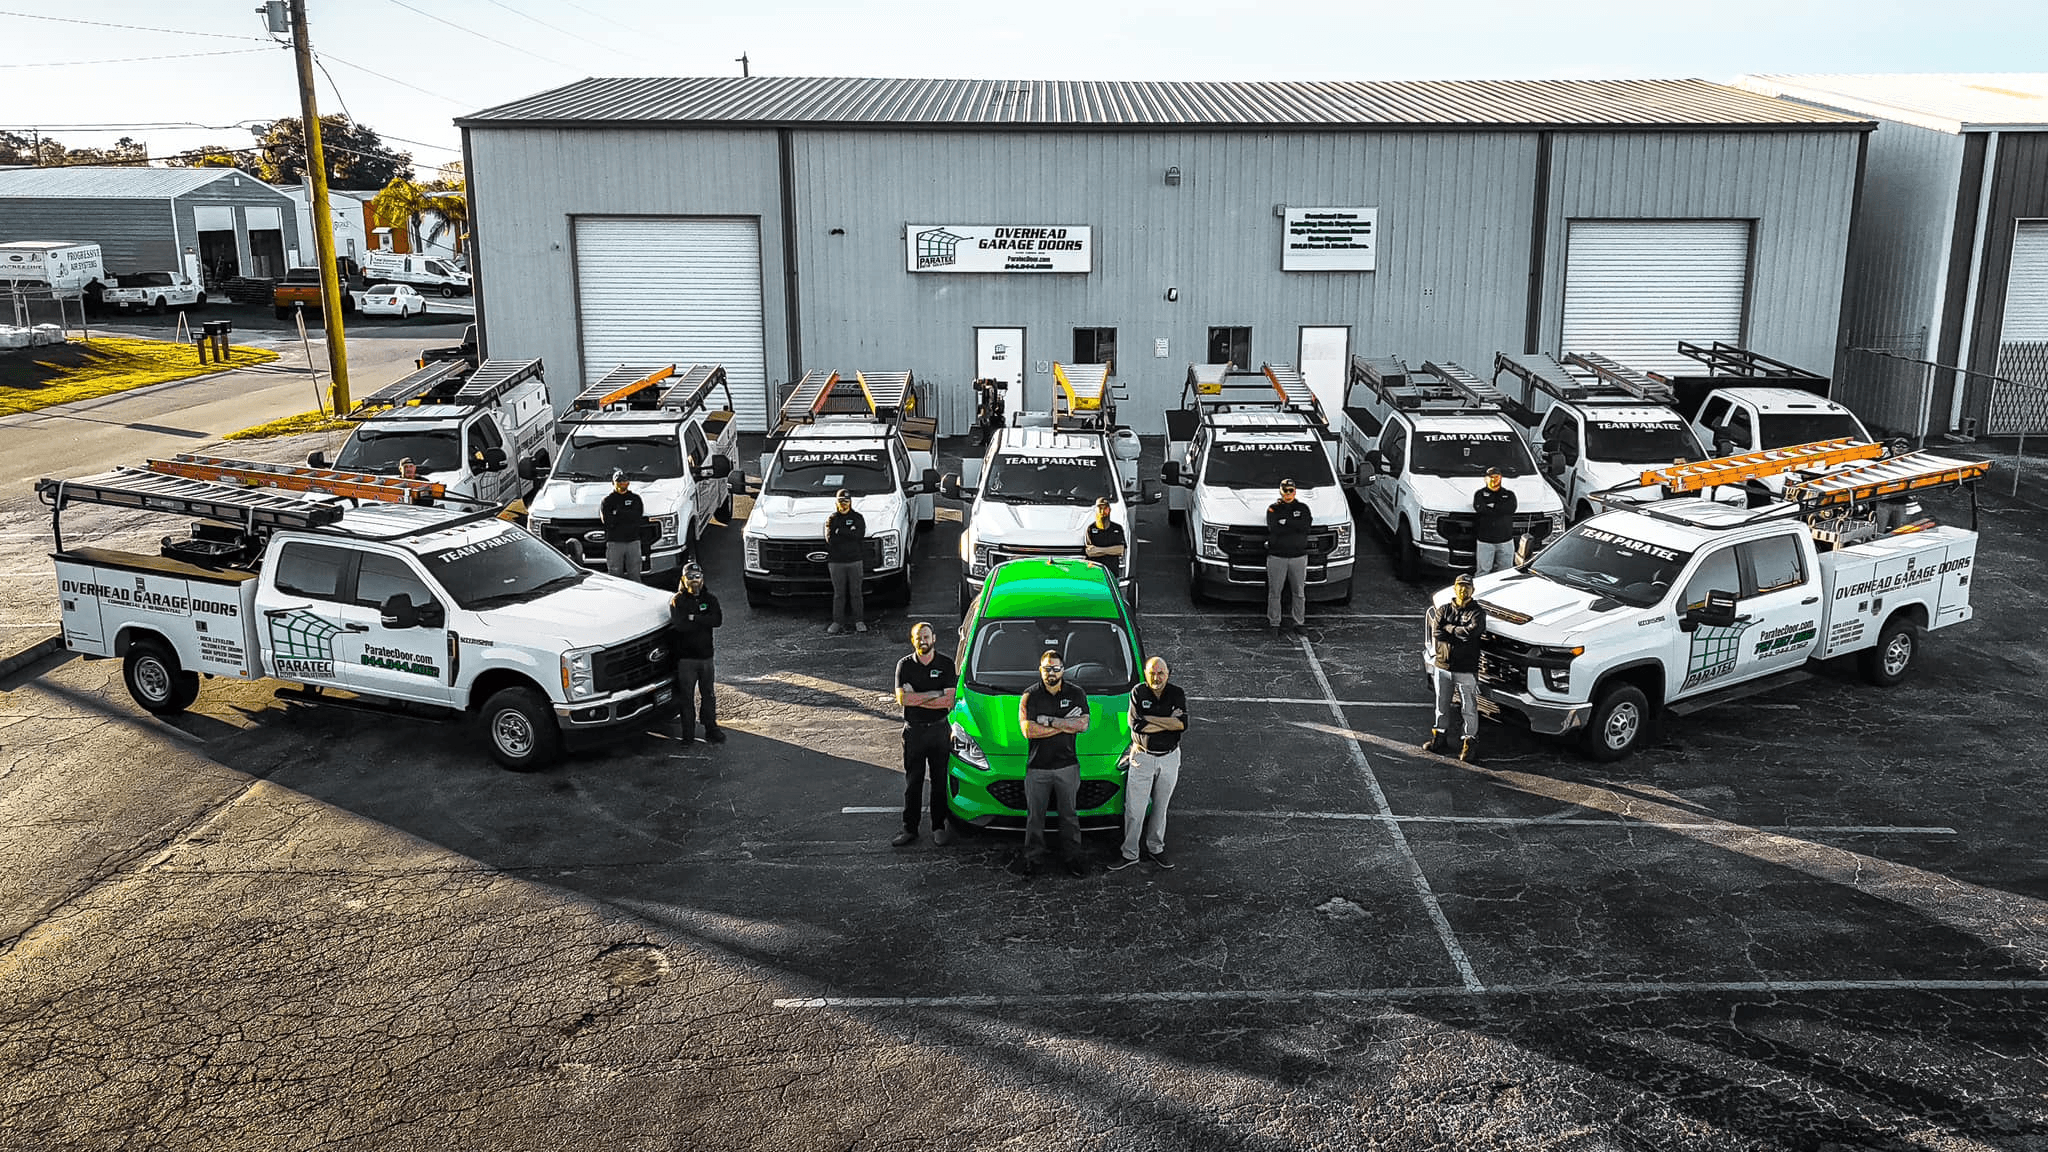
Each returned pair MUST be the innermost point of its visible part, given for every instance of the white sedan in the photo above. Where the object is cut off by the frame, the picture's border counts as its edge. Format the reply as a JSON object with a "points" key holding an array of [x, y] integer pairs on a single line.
{"points": [[391, 300]]}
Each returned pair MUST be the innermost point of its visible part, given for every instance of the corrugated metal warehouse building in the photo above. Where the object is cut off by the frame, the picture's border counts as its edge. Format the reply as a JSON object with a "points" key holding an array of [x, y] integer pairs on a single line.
{"points": [[965, 229], [1948, 261], [144, 219]]}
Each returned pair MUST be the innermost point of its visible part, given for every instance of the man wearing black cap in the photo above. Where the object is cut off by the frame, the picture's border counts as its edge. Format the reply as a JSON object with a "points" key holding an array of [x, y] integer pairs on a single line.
{"points": [[1287, 523], [1106, 542], [1495, 529], [1454, 632], [845, 532], [624, 520], [692, 614]]}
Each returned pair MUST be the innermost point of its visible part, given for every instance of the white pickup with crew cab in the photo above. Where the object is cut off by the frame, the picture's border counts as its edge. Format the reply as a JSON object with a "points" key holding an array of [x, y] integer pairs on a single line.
{"points": [[657, 426], [157, 291], [862, 435], [1748, 402], [476, 431], [1670, 602], [343, 583]]}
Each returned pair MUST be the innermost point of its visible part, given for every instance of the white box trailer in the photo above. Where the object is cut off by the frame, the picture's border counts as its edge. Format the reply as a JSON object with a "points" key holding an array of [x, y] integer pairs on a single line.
{"points": [[58, 265]]}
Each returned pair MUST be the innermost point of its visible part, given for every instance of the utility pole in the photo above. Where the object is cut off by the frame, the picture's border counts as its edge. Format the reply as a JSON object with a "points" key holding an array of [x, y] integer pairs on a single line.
{"points": [[323, 221]]}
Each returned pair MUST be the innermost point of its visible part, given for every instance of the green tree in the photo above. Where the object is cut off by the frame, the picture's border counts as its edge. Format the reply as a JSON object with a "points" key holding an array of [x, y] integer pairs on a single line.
{"points": [[216, 156], [126, 151], [403, 202], [17, 149], [448, 212], [357, 157]]}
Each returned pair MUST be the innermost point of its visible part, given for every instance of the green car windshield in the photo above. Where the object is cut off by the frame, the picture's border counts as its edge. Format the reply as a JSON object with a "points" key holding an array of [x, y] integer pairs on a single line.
{"points": [[1004, 656]]}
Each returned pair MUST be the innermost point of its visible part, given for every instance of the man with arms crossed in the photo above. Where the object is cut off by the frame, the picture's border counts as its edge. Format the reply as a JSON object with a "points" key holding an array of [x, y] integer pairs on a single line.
{"points": [[925, 680], [1159, 714]]}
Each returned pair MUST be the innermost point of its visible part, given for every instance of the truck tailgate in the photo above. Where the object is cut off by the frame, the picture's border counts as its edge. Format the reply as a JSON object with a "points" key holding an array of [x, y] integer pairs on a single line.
{"points": [[1868, 582]]}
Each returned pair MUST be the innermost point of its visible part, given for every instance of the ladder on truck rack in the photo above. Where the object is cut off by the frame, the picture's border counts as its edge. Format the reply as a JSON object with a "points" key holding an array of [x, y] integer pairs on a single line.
{"points": [[691, 389], [1723, 359], [1084, 387], [442, 376], [1475, 391], [251, 508], [1543, 374], [494, 378], [620, 385], [296, 478], [810, 396], [1640, 385], [1911, 472], [1379, 372], [888, 393], [1752, 465]]}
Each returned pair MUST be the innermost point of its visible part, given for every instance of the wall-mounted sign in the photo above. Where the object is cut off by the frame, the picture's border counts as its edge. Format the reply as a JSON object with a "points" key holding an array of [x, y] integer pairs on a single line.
{"points": [[998, 248], [1330, 240]]}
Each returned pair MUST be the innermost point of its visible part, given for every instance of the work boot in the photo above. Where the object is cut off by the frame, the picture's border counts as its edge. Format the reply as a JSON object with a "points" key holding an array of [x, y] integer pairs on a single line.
{"points": [[1435, 743], [860, 625], [835, 628], [942, 834], [686, 733], [903, 839], [1469, 750], [714, 734]]}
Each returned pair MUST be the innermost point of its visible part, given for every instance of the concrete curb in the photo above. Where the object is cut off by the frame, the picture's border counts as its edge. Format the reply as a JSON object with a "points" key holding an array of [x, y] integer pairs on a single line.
{"points": [[9, 665]]}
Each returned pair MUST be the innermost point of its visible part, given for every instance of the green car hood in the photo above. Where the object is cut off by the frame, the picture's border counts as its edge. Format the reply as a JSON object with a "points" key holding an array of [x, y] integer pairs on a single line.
{"points": [[992, 721]]}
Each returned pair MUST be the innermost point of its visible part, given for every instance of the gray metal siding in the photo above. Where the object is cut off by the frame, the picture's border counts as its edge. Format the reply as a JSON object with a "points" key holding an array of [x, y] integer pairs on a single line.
{"points": [[133, 235], [1451, 280], [527, 183], [249, 192], [1797, 186], [2019, 191]]}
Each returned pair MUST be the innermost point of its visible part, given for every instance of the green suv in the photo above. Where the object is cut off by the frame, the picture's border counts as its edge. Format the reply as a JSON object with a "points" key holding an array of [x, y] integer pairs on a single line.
{"points": [[1025, 609]]}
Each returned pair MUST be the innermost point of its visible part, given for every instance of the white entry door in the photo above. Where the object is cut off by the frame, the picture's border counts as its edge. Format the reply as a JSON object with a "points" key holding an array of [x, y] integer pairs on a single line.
{"points": [[1325, 364], [999, 355]]}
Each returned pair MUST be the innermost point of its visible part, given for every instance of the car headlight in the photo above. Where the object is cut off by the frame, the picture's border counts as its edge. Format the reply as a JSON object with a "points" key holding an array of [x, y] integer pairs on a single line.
{"points": [[579, 673], [978, 566], [1212, 541], [1556, 522], [534, 524], [892, 549], [968, 752], [1430, 523], [668, 529], [1343, 548], [1557, 679], [752, 545]]}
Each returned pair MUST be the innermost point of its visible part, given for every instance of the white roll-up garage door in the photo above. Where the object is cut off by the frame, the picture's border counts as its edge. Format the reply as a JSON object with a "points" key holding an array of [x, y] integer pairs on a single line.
{"points": [[2026, 286], [1634, 288], [675, 289]]}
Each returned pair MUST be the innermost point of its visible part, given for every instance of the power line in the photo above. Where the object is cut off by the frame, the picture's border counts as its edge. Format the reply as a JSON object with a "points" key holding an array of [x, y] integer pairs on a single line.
{"points": [[477, 34], [131, 27], [133, 59], [564, 31], [395, 80], [614, 21]]}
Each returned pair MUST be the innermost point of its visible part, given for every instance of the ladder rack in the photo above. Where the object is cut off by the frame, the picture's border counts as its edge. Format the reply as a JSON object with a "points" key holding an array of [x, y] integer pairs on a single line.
{"points": [[1475, 391], [692, 388], [1723, 359], [442, 376], [1541, 372], [1752, 465], [1288, 382], [1207, 379], [1637, 384], [1084, 387], [296, 478], [1908, 473], [156, 492], [1380, 372], [494, 378], [888, 393], [619, 385]]}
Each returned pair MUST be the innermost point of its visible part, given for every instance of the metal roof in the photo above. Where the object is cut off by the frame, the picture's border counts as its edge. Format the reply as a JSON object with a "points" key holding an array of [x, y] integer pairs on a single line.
{"points": [[844, 100], [88, 183], [1945, 102]]}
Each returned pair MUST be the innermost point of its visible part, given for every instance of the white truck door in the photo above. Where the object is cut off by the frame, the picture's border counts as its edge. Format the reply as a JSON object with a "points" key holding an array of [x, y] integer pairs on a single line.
{"points": [[1383, 494], [302, 613], [703, 493], [398, 663], [1782, 600], [1705, 657], [78, 588]]}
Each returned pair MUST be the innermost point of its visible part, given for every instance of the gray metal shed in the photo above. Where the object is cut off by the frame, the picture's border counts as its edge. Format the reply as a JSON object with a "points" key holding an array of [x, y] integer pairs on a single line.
{"points": [[144, 219], [960, 229]]}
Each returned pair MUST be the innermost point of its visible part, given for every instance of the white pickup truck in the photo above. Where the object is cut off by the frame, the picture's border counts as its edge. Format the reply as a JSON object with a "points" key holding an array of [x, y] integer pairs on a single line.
{"points": [[157, 291], [1677, 603], [479, 432], [388, 607]]}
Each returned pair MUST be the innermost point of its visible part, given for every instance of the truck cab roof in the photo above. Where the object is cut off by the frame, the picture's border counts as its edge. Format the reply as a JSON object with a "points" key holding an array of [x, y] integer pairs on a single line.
{"points": [[411, 523], [1459, 424], [1626, 413], [1050, 442], [1281, 424], [624, 422], [1769, 400], [829, 428], [1686, 522]]}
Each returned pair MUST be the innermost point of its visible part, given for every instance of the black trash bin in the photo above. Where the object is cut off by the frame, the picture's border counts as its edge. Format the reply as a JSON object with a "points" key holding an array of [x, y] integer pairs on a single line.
{"points": [[215, 332]]}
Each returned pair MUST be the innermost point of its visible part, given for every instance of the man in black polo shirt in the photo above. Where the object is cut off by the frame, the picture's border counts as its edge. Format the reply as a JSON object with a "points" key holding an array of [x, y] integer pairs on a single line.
{"points": [[1159, 714], [925, 680], [1287, 523], [624, 521], [1053, 713], [693, 614], [845, 533], [1106, 541], [1493, 529]]}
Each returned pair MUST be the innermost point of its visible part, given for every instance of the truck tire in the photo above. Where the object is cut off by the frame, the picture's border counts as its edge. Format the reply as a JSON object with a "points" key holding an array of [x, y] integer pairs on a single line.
{"points": [[725, 509], [1585, 512], [284, 313], [1407, 557], [1620, 719], [1195, 593], [447, 291], [200, 302], [1176, 516], [155, 680], [1889, 662], [966, 599], [519, 724], [161, 306]]}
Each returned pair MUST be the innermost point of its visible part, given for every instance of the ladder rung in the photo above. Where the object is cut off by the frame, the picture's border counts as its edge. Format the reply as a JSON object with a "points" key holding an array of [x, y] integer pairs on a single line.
{"points": [[621, 383], [1083, 386], [294, 478], [1751, 465], [1908, 473]]}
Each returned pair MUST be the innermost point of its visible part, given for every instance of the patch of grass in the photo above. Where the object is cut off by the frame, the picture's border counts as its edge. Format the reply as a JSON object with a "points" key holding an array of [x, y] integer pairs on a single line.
{"points": [[35, 378], [292, 426]]}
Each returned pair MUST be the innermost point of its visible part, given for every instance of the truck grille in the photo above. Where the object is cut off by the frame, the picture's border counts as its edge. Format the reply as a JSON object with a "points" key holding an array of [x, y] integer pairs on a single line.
{"points": [[634, 664], [1248, 545], [791, 559], [1093, 794], [1503, 662], [1461, 529], [558, 533]]}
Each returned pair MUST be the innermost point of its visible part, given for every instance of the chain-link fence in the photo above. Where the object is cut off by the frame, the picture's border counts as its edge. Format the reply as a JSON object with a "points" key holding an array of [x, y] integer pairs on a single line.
{"points": [[2016, 403]]}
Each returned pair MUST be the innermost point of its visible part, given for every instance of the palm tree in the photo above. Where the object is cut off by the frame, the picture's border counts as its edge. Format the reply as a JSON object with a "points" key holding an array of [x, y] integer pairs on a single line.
{"points": [[448, 211], [403, 201]]}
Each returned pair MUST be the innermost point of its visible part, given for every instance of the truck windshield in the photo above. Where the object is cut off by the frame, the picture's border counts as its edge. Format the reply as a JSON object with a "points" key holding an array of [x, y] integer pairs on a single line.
{"points": [[594, 457], [1633, 442], [1026, 479], [502, 569], [1004, 657], [1635, 572], [861, 471], [1471, 454], [1263, 464], [1786, 429], [372, 450]]}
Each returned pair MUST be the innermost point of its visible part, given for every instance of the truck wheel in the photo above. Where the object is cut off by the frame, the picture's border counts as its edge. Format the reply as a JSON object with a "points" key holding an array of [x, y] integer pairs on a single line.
{"points": [[520, 725], [200, 302], [1195, 593], [284, 313], [447, 291], [160, 307], [725, 509], [966, 598], [1407, 557], [155, 680], [1888, 663], [1620, 720], [1176, 516], [1585, 512]]}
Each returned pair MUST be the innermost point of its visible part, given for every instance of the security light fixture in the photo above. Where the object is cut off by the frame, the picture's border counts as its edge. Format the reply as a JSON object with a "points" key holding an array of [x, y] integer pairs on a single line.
{"points": [[1172, 294], [1173, 177], [1280, 211]]}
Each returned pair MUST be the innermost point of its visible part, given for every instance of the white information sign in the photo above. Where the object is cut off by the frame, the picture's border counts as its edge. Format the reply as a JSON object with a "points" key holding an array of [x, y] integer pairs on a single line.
{"points": [[1330, 240], [999, 248], [1159, 346]]}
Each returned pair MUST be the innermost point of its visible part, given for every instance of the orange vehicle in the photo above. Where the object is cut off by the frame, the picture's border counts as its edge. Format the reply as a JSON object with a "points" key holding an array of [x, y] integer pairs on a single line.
{"points": [[301, 286]]}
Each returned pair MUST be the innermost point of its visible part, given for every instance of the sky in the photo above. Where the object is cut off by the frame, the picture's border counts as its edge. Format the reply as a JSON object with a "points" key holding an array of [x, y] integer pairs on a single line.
{"points": [[408, 67]]}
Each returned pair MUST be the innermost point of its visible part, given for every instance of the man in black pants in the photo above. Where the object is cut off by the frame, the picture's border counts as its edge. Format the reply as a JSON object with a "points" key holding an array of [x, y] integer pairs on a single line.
{"points": [[845, 533], [692, 614], [1106, 540], [925, 680], [1052, 714]]}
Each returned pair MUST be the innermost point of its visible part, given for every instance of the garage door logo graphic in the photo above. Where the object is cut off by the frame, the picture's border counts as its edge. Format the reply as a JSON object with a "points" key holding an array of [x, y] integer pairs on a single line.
{"points": [[303, 644], [937, 248], [1713, 652]]}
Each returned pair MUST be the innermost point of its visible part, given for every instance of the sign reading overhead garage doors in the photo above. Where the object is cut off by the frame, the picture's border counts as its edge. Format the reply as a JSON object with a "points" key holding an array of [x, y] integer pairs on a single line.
{"points": [[1634, 288], [675, 290]]}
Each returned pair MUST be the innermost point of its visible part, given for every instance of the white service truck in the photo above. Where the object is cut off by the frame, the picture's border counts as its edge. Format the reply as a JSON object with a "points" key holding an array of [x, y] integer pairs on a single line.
{"points": [[1033, 492], [863, 435], [1666, 602], [157, 291], [430, 274], [1234, 438], [657, 425], [478, 432], [345, 585], [1417, 446], [58, 265]]}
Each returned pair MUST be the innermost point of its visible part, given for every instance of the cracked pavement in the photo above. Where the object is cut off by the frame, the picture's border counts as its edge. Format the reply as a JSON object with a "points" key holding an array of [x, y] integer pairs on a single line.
{"points": [[267, 926]]}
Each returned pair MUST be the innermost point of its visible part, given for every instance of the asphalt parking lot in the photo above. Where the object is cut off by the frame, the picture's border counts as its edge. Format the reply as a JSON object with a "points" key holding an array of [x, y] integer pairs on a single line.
{"points": [[1817, 920]]}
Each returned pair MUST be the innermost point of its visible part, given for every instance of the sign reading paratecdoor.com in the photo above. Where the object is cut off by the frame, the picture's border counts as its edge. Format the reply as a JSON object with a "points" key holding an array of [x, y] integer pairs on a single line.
{"points": [[1330, 240], [999, 248]]}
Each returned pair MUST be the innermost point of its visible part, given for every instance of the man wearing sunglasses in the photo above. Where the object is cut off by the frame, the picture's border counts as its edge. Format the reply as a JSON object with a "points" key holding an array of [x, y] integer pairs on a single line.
{"points": [[1053, 713]]}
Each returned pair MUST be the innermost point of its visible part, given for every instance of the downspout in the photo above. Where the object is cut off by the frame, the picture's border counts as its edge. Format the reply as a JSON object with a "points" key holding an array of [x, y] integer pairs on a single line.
{"points": [[792, 309], [476, 251], [1966, 342]]}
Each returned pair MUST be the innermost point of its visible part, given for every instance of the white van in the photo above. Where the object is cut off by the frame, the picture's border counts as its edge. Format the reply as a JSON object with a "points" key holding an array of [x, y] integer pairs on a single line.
{"points": [[430, 274]]}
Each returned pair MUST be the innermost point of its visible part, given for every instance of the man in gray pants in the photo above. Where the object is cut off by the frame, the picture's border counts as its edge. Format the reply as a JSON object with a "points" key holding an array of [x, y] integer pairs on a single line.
{"points": [[1455, 630], [1287, 523], [845, 534], [1052, 714], [624, 522]]}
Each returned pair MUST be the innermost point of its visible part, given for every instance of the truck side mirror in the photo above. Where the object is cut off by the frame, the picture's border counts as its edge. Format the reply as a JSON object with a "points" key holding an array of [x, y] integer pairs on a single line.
{"points": [[949, 487], [316, 459], [1151, 496], [1172, 473], [736, 483], [719, 467], [1718, 611], [491, 460], [926, 483], [1377, 461], [398, 612], [534, 467], [432, 615]]}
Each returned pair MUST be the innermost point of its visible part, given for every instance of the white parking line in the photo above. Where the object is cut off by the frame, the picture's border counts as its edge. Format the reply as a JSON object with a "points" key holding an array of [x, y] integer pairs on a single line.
{"points": [[1710, 829], [1283, 995], [1379, 801], [1311, 700], [1260, 621]]}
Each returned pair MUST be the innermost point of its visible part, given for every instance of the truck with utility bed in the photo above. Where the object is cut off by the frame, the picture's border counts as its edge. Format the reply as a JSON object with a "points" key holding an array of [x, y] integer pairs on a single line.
{"points": [[1669, 603], [1234, 438], [301, 288], [348, 586], [656, 425], [478, 432]]}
